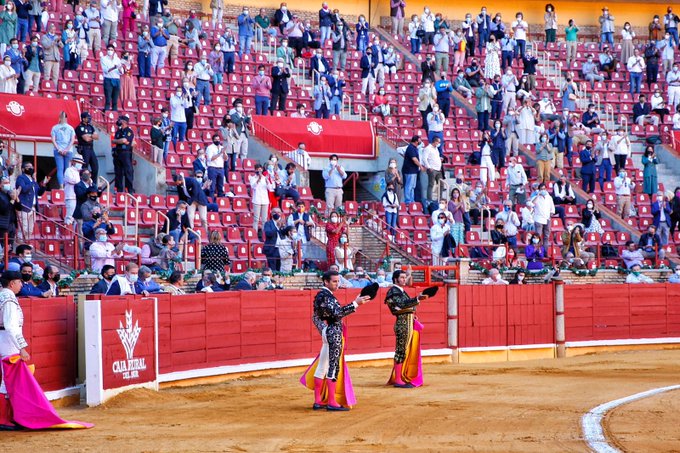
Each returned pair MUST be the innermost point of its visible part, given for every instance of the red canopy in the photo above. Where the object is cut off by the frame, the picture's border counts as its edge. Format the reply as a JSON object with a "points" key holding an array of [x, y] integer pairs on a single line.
{"points": [[31, 117], [352, 139]]}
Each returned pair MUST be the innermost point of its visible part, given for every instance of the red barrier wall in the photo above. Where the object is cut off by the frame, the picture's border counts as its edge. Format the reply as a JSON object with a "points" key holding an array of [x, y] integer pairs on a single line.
{"points": [[608, 312], [50, 330], [231, 328], [507, 315]]}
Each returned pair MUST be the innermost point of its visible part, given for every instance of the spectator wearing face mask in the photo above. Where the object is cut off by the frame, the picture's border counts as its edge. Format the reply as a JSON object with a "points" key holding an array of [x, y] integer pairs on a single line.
{"points": [[28, 289], [71, 179], [334, 175], [636, 276], [125, 284], [544, 209], [427, 99], [108, 273], [535, 253], [340, 38], [302, 222], [675, 276], [334, 230], [390, 202], [367, 73], [262, 86], [322, 98], [443, 244], [29, 192], [103, 252], [381, 104]]}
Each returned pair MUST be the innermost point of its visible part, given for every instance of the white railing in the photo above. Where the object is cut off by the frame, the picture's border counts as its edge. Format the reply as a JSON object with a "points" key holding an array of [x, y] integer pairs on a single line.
{"points": [[362, 111], [349, 106]]}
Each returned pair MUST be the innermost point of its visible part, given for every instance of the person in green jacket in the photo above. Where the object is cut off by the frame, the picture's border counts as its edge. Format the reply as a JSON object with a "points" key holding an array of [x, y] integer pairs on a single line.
{"points": [[8, 27], [649, 178], [483, 105]]}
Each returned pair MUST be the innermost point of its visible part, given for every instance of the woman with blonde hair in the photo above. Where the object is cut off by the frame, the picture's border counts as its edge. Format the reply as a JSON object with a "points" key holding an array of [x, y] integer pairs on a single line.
{"points": [[215, 255]]}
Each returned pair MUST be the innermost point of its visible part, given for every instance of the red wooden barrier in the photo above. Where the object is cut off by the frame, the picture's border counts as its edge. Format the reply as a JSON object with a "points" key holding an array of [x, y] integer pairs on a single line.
{"points": [[508, 315], [613, 312], [232, 328], [50, 330]]}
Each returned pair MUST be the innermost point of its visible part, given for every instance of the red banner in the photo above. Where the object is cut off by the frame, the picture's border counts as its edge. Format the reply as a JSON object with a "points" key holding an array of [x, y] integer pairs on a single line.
{"points": [[128, 341], [33, 116], [352, 139]]}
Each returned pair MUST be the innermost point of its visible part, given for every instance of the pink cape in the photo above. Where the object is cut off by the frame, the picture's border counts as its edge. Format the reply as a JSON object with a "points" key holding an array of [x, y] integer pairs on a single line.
{"points": [[31, 407], [412, 369], [344, 392]]}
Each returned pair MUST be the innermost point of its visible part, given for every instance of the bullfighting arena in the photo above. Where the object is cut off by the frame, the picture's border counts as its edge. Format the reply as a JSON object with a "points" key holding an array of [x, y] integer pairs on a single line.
{"points": [[532, 406]]}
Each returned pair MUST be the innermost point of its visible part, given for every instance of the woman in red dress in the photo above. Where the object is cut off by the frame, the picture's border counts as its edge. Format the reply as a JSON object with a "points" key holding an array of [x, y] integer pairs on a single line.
{"points": [[334, 229]]}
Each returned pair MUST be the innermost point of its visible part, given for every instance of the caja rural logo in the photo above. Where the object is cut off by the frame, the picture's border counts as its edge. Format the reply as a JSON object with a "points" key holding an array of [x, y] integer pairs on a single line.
{"points": [[129, 335]]}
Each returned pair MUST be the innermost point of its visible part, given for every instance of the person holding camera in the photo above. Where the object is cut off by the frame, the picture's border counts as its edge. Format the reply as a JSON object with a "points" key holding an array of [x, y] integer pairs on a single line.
{"points": [[122, 155]]}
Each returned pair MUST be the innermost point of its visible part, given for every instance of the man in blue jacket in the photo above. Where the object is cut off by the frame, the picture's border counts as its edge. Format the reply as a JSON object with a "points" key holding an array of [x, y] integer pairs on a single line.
{"points": [[145, 284], [245, 32], [191, 191], [29, 192], [272, 229], [28, 289], [587, 167], [661, 211]]}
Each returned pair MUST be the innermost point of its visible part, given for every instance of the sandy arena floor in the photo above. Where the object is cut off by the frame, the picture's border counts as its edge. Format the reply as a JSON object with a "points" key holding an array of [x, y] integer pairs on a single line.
{"points": [[531, 406]]}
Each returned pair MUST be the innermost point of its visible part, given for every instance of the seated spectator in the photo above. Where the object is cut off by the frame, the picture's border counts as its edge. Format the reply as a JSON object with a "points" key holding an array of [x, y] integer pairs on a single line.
{"points": [[299, 111], [381, 104], [99, 218], [473, 74], [28, 289], [51, 278], [461, 85], [344, 254], [287, 188], [494, 278], [590, 72], [631, 255], [519, 279], [548, 111], [360, 280], [658, 105], [675, 276], [215, 255], [151, 249], [175, 283], [574, 246], [642, 113], [247, 283], [268, 281], [209, 284], [24, 254], [499, 240], [650, 244], [178, 223], [108, 273], [563, 193], [527, 213], [590, 218], [124, 284], [636, 276], [381, 278], [591, 120], [535, 253], [608, 62], [103, 252], [344, 283], [169, 255], [145, 284], [479, 205]]}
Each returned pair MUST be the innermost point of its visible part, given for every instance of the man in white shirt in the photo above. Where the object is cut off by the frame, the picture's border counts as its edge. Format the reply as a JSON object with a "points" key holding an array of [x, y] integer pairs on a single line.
{"points": [[178, 102], [215, 154], [636, 276], [521, 28], [109, 12], [631, 255], [435, 126], [443, 209], [112, 69], [71, 179], [442, 42], [494, 278], [103, 252], [548, 109], [509, 82], [94, 24], [544, 208], [623, 186], [432, 162], [622, 150], [673, 81], [204, 75], [516, 182], [511, 224], [300, 156], [636, 65]]}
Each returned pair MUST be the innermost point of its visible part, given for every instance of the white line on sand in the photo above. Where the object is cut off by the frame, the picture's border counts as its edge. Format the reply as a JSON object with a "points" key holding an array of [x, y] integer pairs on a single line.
{"points": [[591, 423]]}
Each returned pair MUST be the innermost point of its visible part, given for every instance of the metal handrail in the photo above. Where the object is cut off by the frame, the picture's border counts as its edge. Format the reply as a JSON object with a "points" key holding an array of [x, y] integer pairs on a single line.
{"points": [[401, 238], [135, 201], [361, 108], [166, 222], [279, 148], [349, 105], [197, 262], [108, 190], [353, 179]]}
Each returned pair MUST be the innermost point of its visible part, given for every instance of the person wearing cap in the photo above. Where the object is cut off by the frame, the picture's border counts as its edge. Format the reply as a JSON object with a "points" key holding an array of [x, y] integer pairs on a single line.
{"points": [[606, 28], [86, 135], [112, 69], [71, 178], [12, 341], [204, 74], [122, 156]]}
